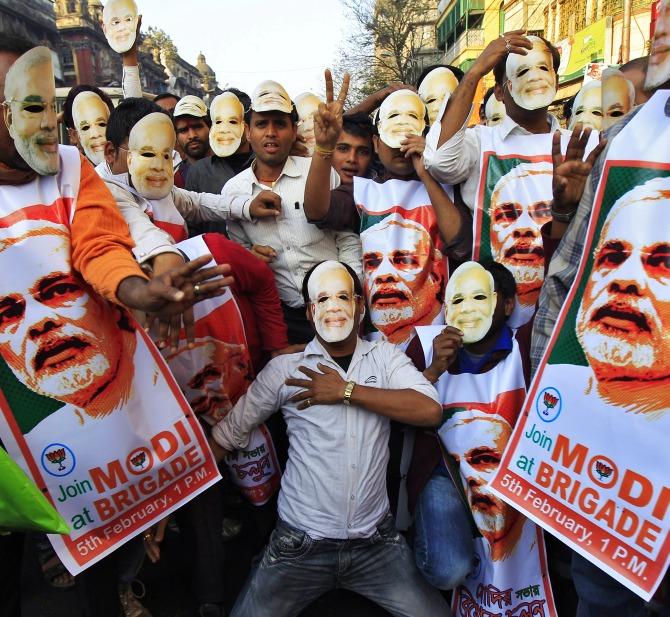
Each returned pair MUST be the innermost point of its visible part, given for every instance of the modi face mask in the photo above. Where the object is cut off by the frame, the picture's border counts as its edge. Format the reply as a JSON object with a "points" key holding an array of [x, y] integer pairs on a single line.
{"points": [[306, 105], [119, 23], [332, 301], [588, 107], [531, 79], [495, 111], [30, 110], [434, 88], [225, 134], [271, 96], [90, 114], [470, 301], [150, 148], [401, 113]]}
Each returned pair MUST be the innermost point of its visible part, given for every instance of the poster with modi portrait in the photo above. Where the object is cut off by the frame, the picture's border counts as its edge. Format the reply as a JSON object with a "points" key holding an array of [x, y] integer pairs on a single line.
{"points": [[588, 459]]}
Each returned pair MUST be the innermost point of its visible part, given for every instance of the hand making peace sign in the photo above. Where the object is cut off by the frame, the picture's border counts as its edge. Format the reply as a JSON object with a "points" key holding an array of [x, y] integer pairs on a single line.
{"points": [[328, 117]]}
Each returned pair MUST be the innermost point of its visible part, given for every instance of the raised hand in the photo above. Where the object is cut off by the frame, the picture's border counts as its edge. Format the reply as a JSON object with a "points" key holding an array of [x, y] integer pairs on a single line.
{"points": [[513, 42], [571, 171], [328, 117]]}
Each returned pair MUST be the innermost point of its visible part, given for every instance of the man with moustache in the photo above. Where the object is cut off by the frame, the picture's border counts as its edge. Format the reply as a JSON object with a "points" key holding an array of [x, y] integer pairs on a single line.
{"points": [[191, 124], [622, 324], [289, 243], [335, 528], [516, 220], [97, 244]]}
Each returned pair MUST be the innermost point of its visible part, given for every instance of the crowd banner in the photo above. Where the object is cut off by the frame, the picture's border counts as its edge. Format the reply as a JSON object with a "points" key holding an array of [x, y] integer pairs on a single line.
{"points": [[589, 459], [214, 373], [88, 407], [510, 573], [513, 202], [404, 270]]}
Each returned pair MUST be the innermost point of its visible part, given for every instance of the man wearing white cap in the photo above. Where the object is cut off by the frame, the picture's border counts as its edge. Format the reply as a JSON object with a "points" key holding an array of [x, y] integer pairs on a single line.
{"points": [[191, 124], [288, 243]]}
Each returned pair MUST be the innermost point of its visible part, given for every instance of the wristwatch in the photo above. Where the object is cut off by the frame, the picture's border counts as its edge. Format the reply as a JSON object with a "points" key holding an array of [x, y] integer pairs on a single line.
{"points": [[563, 217], [348, 389]]}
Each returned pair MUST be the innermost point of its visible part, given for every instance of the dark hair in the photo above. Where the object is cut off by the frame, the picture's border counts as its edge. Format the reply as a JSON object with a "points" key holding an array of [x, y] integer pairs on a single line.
{"points": [[458, 73], [244, 98], [126, 115], [503, 279], [358, 288], [358, 124], [567, 107], [166, 95], [487, 96], [499, 69], [72, 94], [15, 44]]}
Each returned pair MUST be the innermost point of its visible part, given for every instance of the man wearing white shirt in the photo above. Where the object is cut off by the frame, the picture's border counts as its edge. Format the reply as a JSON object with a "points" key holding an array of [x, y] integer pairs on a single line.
{"points": [[453, 151], [337, 397], [289, 243]]}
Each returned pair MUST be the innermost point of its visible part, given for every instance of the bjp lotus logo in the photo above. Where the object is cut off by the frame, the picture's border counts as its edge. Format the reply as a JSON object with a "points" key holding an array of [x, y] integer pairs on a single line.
{"points": [[548, 404], [58, 459], [139, 459], [603, 470]]}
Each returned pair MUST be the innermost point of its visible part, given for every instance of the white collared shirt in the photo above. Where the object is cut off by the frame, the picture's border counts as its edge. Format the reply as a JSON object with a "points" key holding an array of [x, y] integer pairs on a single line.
{"points": [[299, 244], [458, 160], [334, 485]]}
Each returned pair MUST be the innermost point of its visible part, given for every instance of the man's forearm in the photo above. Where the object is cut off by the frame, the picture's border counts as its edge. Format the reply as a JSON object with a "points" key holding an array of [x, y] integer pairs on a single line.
{"points": [[458, 109], [407, 406], [317, 188], [448, 216]]}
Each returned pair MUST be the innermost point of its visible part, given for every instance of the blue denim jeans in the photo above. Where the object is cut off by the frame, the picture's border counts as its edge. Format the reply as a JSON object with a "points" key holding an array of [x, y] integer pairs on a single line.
{"points": [[295, 570], [600, 595], [443, 544]]}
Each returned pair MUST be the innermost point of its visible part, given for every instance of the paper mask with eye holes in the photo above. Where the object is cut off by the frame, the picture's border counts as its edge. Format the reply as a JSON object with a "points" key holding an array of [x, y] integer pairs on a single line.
{"points": [[225, 134], [401, 113], [332, 301], [119, 23], [470, 301], [150, 148]]}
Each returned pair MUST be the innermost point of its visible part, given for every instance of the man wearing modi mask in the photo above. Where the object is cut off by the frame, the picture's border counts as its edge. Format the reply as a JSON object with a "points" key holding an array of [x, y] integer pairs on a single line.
{"points": [[402, 113], [588, 106], [306, 104], [225, 134], [435, 86], [90, 115], [618, 97], [337, 397], [494, 111], [119, 23], [150, 148]]}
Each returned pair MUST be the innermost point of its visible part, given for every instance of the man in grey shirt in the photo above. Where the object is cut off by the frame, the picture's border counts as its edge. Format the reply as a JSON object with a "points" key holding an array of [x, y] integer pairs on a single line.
{"points": [[337, 397]]}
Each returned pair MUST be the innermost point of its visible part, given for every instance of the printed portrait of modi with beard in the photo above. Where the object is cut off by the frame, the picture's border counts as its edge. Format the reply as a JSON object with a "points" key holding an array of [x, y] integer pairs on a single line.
{"points": [[623, 323], [520, 205], [58, 338], [404, 276]]}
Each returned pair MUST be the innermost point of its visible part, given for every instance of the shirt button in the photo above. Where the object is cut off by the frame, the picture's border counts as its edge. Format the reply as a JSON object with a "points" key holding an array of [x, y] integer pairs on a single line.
{"points": [[353, 466], [352, 497], [350, 525]]}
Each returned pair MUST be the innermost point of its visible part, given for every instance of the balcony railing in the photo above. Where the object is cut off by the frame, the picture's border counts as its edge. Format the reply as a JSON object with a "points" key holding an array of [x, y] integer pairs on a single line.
{"points": [[468, 40]]}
